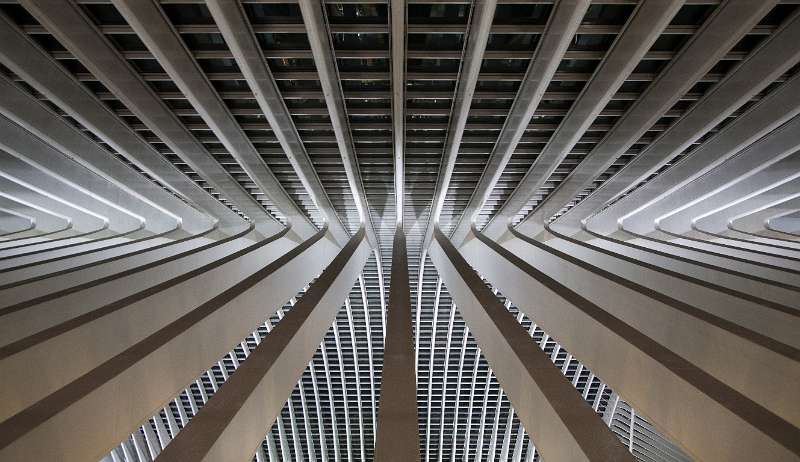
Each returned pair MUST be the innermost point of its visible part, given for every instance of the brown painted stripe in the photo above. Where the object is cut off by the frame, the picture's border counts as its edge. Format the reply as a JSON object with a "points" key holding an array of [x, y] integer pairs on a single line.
{"points": [[23, 422], [779, 239], [745, 241], [33, 237], [783, 432], [30, 227], [58, 329], [66, 246]]}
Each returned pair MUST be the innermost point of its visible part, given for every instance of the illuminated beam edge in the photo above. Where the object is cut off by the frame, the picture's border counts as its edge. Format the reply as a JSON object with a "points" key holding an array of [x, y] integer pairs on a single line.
{"points": [[398, 431], [232, 425], [682, 398], [172, 335], [561, 423]]}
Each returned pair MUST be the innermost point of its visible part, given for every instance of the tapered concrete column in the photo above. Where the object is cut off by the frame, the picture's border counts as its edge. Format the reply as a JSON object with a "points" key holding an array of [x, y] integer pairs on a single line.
{"points": [[67, 275], [398, 428], [563, 425], [683, 392], [482, 16], [233, 423], [109, 378], [25, 313]]}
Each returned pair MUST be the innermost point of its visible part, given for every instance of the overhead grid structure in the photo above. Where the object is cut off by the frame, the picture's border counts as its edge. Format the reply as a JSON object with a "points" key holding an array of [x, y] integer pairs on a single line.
{"points": [[488, 230]]}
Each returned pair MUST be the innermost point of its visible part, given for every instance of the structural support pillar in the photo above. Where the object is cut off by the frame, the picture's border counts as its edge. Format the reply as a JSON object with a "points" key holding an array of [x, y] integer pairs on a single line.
{"points": [[233, 423], [398, 430], [563, 425]]}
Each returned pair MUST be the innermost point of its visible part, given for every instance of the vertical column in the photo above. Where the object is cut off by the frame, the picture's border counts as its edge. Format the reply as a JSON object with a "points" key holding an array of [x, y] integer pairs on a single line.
{"points": [[398, 433]]}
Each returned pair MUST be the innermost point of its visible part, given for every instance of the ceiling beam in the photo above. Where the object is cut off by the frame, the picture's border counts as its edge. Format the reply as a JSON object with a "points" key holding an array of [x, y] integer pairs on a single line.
{"points": [[153, 28], [398, 54], [481, 17], [69, 24], [729, 23], [27, 60], [236, 30], [320, 39], [641, 31]]}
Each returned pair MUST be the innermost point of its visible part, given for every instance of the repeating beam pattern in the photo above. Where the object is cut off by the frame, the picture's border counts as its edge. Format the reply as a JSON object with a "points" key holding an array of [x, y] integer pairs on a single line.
{"points": [[282, 230]]}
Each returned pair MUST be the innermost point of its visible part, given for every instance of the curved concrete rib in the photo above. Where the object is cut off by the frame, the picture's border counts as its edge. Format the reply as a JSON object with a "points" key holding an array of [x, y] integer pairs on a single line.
{"points": [[692, 198], [170, 331], [20, 54], [45, 223], [714, 226], [82, 38], [13, 223], [729, 23], [35, 134], [153, 28], [552, 45], [584, 308], [762, 119], [564, 427], [762, 67], [475, 41], [85, 226], [678, 227], [762, 221], [397, 437], [124, 228], [235, 28], [314, 18], [120, 220], [641, 31], [777, 145], [786, 223], [232, 425], [760, 235], [98, 196]]}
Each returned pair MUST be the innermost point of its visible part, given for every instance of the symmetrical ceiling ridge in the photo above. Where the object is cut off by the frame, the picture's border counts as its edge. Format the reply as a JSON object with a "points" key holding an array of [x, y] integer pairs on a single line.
{"points": [[489, 230]]}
